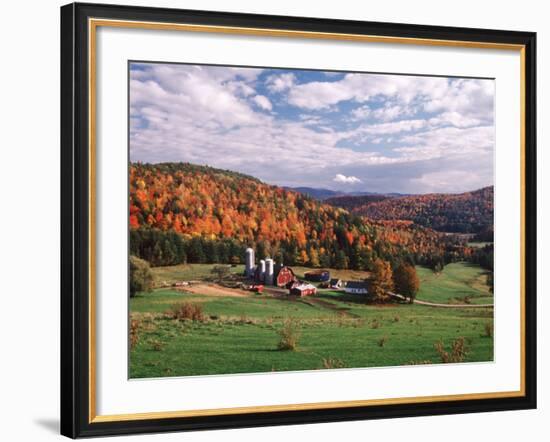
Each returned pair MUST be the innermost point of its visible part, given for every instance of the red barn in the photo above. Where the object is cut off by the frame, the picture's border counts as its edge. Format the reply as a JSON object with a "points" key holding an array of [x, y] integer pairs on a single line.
{"points": [[284, 275]]}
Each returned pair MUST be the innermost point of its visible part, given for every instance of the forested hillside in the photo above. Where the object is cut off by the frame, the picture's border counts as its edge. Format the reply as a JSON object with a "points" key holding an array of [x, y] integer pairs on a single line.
{"points": [[351, 202], [182, 212], [470, 212]]}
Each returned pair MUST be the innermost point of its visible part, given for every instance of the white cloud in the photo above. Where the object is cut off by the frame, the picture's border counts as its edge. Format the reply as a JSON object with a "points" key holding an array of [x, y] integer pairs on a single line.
{"points": [[240, 88], [197, 95], [392, 128], [263, 102], [468, 98], [280, 83], [455, 119], [451, 180], [339, 178], [390, 111], [362, 87], [360, 113], [311, 120], [319, 94]]}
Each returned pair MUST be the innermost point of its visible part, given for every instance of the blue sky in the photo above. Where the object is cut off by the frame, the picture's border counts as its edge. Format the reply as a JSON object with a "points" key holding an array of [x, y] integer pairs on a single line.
{"points": [[340, 131]]}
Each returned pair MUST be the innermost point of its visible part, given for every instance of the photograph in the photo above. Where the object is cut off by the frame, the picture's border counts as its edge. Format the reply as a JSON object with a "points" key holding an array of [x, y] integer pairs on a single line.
{"points": [[278, 220], [285, 219]]}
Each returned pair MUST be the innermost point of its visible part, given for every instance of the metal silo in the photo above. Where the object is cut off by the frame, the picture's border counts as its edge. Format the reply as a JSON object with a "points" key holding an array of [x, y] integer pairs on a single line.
{"points": [[262, 270], [268, 271], [249, 262]]}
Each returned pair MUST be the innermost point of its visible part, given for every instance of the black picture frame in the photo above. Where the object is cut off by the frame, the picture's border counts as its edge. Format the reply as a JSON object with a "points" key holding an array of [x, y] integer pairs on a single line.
{"points": [[75, 220]]}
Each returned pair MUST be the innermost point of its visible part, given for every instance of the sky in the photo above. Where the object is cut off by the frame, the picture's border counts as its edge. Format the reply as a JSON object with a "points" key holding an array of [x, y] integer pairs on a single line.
{"points": [[349, 132]]}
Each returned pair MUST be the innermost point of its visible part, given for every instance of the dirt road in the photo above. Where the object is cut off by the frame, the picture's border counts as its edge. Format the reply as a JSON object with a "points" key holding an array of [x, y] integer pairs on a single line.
{"points": [[434, 304], [214, 290]]}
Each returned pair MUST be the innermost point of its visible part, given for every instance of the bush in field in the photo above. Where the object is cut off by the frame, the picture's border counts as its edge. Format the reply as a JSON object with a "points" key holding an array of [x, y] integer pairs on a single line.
{"points": [[221, 272], [141, 276], [187, 310], [382, 341], [134, 333], [289, 335], [436, 263], [457, 354], [406, 281], [330, 363]]}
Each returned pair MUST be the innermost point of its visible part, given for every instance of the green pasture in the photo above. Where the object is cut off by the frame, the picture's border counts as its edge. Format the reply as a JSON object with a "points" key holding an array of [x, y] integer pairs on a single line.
{"points": [[458, 283], [240, 334]]}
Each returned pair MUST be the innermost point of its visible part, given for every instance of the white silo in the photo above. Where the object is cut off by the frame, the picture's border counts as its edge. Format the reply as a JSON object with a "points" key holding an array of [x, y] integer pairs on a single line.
{"points": [[262, 270], [268, 271], [249, 262]]}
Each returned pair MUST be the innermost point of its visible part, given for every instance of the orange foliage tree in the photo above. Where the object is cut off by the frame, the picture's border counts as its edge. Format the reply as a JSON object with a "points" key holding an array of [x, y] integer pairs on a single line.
{"points": [[406, 281], [381, 280]]}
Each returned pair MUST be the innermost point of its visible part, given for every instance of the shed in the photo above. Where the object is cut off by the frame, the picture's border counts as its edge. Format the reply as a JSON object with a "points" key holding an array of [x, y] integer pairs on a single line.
{"points": [[303, 289]]}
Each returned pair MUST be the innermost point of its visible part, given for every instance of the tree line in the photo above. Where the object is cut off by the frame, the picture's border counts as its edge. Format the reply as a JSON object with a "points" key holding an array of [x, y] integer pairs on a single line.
{"points": [[165, 248]]}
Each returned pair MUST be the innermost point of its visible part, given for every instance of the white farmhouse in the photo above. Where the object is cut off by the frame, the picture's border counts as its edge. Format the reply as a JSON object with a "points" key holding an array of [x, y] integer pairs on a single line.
{"points": [[356, 287]]}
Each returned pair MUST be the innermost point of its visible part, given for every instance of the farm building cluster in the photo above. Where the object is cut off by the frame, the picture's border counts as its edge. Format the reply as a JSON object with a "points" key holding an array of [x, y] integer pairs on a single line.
{"points": [[270, 273], [267, 271]]}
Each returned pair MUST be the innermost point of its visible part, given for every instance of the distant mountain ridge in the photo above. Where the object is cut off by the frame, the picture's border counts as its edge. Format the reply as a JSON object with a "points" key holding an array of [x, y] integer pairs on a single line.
{"points": [[468, 212], [324, 194]]}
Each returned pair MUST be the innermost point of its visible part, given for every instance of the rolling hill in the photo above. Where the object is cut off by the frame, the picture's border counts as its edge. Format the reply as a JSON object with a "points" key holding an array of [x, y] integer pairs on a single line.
{"points": [[184, 212], [469, 212]]}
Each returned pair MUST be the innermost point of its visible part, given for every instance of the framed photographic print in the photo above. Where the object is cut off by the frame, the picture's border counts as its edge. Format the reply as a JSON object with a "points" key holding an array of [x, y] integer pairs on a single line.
{"points": [[274, 220]]}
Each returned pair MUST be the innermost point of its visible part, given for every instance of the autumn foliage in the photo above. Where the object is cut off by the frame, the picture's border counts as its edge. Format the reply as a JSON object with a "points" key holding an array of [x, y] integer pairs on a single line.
{"points": [[181, 212], [406, 281], [469, 212], [381, 280]]}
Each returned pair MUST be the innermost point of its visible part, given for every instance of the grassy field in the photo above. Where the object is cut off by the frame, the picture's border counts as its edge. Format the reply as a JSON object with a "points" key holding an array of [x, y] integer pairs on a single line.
{"points": [[186, 272], [239, 333], [458, 283]]}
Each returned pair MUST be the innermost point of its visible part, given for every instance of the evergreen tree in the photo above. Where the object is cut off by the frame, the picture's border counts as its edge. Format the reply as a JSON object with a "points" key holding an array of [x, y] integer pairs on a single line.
{"points": [[156, 259], [341, 260], [195, 252]]}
